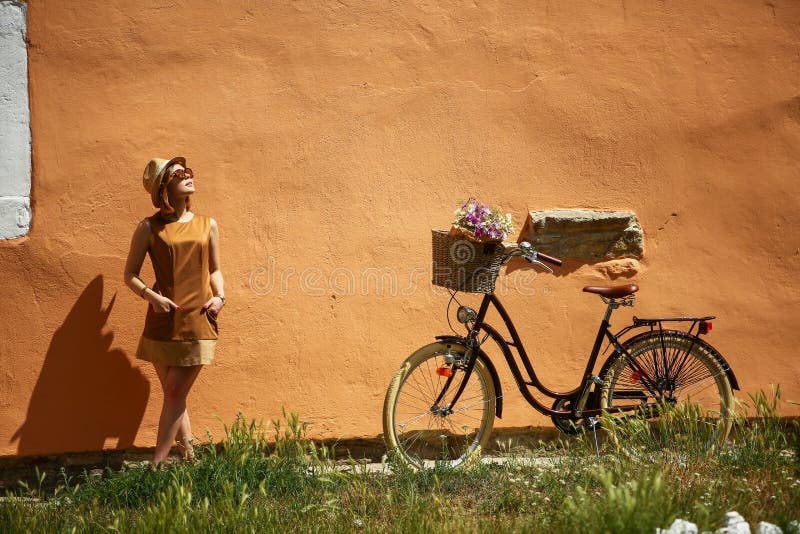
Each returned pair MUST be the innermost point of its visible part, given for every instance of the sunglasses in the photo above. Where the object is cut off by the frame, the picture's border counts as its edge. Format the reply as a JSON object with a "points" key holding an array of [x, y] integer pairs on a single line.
{"points": [[181, 174]]}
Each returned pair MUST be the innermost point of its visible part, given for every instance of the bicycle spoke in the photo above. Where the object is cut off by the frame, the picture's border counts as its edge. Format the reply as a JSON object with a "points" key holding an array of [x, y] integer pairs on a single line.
{"points": [[423, 401], [694, 389], [413, 419], [416, 436]]}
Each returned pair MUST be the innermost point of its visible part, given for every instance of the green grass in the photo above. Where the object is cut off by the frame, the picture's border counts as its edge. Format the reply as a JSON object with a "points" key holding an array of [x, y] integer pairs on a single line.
{"points": [[274, 479]]}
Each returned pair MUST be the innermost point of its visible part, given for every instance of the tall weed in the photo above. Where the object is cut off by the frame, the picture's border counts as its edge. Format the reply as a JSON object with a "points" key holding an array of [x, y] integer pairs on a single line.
{"points": [[620, 504]]}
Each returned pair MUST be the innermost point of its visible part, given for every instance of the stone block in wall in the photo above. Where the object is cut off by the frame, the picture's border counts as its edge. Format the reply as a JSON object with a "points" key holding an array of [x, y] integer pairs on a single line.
{"points": [[15, 217], [587, 235]]}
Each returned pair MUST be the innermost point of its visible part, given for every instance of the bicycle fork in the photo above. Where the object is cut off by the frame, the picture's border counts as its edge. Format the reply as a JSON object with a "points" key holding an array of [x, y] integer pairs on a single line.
{"points": [[470, 357]]}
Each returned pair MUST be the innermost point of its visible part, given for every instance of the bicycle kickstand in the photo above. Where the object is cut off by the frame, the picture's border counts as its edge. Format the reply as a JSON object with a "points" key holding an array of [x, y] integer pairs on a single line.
{"points": [[593, 422]]}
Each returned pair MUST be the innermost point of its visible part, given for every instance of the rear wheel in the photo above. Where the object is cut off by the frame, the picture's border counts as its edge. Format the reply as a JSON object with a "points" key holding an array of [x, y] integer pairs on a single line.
{"points": [[677, 385], [424, 432]]}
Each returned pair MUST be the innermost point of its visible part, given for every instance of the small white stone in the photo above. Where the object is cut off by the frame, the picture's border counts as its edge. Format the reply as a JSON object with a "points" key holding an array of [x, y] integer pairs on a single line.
{"points": [[734, 524], [768, 528], [679, 526]]}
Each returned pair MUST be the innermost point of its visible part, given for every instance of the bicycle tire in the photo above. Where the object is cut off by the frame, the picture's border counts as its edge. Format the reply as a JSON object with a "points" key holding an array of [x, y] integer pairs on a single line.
{"points": [[415, 428], [685, 374]]}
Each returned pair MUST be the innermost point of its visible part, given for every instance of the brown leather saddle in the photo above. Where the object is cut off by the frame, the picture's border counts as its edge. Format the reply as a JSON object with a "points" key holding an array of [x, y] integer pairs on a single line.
{"points": [[613, 292]]}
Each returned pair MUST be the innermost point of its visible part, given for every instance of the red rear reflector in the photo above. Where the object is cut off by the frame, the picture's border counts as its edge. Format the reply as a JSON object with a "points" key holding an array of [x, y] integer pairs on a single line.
{"points": [[709, 326], [444, 371], [636, 376]]}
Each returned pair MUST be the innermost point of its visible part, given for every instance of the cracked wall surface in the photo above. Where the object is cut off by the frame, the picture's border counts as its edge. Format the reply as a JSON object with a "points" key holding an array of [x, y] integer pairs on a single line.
{"points": [[328, 139], [15, 136]]}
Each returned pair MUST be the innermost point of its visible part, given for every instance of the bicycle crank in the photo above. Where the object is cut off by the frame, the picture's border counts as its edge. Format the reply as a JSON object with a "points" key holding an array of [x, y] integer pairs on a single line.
{"points": [[568, 425]]}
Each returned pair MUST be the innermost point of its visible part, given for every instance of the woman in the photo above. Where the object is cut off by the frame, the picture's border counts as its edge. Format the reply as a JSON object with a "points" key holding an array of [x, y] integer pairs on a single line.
{"points": [[180, 331]]}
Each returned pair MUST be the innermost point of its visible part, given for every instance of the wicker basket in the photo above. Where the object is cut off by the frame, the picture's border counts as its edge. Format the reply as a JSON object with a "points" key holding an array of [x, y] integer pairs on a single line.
{"points": [[465, 265]]}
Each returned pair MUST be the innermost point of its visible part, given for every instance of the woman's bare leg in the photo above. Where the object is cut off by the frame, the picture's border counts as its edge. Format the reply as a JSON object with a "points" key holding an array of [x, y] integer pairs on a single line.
{"points": [[176, 385], [184, 435]]}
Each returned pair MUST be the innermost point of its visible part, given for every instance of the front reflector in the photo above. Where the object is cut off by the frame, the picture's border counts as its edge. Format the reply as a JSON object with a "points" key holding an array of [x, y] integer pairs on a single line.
{"points": [[444, 371]]}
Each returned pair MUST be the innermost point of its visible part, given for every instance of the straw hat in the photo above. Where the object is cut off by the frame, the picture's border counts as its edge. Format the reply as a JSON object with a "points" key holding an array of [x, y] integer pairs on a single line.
{"points": [[154, 175]]}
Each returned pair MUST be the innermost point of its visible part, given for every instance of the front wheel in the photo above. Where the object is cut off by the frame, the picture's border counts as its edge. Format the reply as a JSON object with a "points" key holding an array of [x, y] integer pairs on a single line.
{"points": [[677, 387], [424, 430]]}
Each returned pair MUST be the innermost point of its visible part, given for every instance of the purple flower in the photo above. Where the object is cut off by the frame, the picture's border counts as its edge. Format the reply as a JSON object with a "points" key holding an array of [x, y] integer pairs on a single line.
{"points": [[482, 221]]}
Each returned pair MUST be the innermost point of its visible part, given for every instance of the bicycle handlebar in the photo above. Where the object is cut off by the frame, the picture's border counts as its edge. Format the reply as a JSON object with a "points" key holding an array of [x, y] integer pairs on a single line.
{"points": [[549, 259], [525, 250]]}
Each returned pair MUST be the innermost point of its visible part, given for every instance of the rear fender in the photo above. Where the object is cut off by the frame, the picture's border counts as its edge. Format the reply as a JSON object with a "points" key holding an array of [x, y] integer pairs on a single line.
{"points": [[498, 404]]}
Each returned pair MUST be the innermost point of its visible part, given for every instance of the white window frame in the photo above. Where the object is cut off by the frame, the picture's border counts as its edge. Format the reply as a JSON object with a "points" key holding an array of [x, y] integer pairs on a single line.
{"points": [[15, 123]]}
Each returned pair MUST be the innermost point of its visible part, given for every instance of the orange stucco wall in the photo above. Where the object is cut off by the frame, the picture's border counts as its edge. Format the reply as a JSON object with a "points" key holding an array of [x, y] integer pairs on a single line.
{"points": [[328, 138]]}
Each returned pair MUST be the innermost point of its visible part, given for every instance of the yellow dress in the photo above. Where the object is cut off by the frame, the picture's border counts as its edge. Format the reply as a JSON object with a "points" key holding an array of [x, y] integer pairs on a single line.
{"points": [[179, 253]]}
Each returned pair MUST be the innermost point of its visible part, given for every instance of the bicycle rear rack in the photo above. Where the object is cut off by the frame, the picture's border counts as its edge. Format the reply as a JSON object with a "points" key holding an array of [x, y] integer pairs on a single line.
{"points": [[702, 324]]}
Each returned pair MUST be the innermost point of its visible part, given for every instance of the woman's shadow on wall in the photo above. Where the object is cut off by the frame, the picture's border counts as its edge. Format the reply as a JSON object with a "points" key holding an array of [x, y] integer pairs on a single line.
{"points": [[87, 393]]}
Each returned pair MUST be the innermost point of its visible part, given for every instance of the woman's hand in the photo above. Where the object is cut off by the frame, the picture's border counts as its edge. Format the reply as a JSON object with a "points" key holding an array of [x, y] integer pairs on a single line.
{"points": [[213, 306], [161, 304]]}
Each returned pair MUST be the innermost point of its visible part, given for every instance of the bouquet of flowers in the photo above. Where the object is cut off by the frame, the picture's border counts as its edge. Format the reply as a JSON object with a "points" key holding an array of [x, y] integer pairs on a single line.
{"points": [[478, 222]]}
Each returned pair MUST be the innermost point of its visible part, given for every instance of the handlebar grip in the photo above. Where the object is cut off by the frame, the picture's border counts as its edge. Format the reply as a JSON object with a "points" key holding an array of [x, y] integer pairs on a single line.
{"points": [[549, 259]]}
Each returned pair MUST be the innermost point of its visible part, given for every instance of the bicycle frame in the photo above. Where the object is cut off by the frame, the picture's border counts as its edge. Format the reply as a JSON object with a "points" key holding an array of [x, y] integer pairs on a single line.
{"points": [[580, 394]]}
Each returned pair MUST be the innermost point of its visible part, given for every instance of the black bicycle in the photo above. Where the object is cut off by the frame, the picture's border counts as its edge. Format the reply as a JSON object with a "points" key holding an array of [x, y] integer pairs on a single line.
{"points": [[441, 403]]}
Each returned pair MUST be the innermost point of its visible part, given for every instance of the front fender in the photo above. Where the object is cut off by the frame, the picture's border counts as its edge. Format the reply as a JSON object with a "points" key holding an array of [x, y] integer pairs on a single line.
{"points": [[458, 340]]}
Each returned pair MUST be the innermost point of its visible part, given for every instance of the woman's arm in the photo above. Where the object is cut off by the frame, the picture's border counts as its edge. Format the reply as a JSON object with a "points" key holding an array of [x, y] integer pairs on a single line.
{"points": [[215, 304], [141, 238], [139, 243]]}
